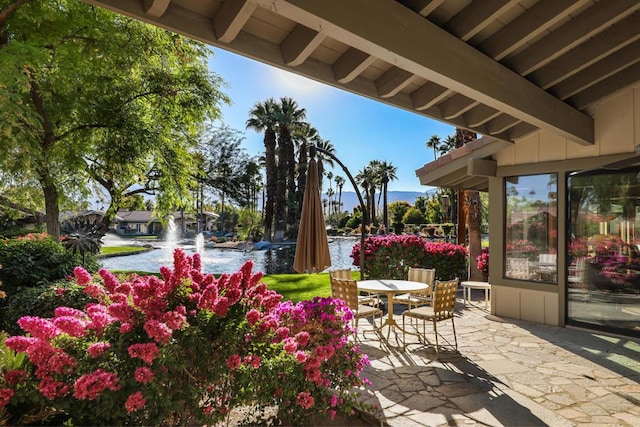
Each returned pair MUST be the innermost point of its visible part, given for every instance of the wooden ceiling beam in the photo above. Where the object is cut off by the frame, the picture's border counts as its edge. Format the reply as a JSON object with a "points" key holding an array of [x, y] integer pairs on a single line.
{"points": [[231, 17], [588, 53], [428, 95], [393, 81], [571, 34], [527, 26], [610, 85], [480, 115], [156, 8], [456, 106], [300, 44], [350, 64], [439, 57], [500, 124], [601, 70], [422, 7], [475, 17]]}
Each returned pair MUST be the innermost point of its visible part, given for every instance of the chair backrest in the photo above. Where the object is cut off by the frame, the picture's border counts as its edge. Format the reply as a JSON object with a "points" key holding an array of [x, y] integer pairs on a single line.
{"points": [[518, 268], [346, 290], [444, 298], [341, 273], [422, 275], [548, 258]]}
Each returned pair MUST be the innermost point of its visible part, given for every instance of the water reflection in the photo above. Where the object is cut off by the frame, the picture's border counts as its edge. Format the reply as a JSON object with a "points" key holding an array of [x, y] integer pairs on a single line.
{"points": [[217, 261]]}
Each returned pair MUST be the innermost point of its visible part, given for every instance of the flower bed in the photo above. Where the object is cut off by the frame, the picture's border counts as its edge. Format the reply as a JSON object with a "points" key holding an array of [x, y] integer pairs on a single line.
{"points": [[187, 348]]}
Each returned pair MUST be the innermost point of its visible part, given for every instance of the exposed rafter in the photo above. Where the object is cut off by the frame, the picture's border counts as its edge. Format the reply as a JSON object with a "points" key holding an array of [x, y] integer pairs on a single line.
{"points": [[496, 67]]}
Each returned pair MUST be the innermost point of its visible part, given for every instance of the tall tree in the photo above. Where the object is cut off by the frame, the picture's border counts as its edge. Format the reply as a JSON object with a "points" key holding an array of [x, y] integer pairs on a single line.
{"points": [[472, 212], [262, 118], [340, 181], [322, 158], [81, 83], [227, 167], [434, 143], [387, 172], [289, 117], [304, 135]]}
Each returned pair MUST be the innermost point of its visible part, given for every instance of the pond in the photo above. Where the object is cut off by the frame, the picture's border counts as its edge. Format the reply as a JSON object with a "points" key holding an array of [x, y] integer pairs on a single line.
{"points": [[217, 261]]}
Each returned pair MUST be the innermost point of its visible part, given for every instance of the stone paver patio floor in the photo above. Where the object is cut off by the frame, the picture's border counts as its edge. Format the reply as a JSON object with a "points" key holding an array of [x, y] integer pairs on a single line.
{"points": [[506, 373]]}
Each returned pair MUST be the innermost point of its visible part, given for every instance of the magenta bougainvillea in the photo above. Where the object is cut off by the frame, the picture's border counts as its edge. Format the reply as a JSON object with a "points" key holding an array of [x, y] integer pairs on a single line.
{"points": [[184, 348], [390, 257]]}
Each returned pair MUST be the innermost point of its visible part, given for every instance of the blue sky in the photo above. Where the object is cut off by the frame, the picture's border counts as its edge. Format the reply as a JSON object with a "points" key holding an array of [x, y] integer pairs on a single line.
{"points": [[360, 129]]}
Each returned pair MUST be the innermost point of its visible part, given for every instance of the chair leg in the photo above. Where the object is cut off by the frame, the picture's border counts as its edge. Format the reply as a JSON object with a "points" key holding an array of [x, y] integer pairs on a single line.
{"points": [[455, 338], [435, 331]]}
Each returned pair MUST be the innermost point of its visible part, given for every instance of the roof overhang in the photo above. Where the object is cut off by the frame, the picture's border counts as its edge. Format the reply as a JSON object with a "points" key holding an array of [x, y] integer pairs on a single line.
{"points": [[466, 168], [502, 68]]}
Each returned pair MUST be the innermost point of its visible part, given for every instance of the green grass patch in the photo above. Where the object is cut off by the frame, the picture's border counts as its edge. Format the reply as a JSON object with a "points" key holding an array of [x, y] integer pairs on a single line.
{"points": [[294, 287], [299, 287], [112, 250]]}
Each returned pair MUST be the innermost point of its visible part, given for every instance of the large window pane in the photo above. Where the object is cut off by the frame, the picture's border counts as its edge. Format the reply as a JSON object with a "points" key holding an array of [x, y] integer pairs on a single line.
{"points": [[603, 258], [531, 228]]}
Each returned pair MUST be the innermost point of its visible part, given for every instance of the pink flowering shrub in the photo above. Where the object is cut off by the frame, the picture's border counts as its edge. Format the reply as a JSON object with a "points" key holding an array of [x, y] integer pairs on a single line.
{"points": [[482, 261], [389, 257], [184, 348]]}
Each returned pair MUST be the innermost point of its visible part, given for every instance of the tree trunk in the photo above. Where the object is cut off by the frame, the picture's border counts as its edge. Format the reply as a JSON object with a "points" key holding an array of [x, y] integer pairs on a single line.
{"points": [[281, 191], [474, 222], [269, 204], [462, 219], [51, 208]]}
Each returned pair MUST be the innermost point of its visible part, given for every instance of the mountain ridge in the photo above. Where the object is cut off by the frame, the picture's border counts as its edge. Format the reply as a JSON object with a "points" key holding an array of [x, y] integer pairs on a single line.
{"points": [[350, 199]]}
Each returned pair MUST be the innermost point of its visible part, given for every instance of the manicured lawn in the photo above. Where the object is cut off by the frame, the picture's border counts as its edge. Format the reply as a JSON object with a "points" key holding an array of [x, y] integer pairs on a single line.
{"points": [[299, 287], [111, 250], [294, 287]]}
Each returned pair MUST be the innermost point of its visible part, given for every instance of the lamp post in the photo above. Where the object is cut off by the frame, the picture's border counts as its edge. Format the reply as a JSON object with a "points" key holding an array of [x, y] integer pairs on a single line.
{"points": [[312, 153]]}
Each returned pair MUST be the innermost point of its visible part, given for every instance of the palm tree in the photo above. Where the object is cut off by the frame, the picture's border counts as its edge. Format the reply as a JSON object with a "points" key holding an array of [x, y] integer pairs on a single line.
{"points": [[323, 158], [262, 118], [387, 172], [340, 181], [289, 117], [366, 179], [447, 145], [434, 143], [302, 137], [471, 214]]}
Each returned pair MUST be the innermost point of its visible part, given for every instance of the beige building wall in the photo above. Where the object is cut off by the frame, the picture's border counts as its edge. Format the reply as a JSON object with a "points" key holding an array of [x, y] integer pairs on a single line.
{"points": [[617, 128]]}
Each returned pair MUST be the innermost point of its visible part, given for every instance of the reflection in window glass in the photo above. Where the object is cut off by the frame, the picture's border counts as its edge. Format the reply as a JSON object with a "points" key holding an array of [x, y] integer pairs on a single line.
{"points": [[604, 263], [531, 228]]}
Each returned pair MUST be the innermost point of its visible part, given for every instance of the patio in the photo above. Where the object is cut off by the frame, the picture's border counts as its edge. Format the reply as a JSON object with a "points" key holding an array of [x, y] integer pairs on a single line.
{"points": [[508, 372]]}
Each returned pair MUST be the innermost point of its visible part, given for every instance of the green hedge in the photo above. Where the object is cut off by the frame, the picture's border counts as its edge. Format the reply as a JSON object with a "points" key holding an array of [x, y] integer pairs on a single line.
{"points": [[41, 301], [37, 259]]}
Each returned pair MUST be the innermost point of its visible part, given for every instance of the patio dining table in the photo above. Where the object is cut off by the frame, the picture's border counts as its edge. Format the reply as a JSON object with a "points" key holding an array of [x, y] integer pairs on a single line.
{"points": [[391, 287]]}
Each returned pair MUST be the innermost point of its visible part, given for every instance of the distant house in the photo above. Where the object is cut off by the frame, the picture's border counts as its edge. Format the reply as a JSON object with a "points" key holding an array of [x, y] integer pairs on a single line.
{"points": [[146, 223], [137, 223]]}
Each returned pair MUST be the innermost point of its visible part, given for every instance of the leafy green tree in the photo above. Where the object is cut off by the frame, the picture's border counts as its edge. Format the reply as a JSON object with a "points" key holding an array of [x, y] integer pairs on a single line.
{"points": [[90, 94], [413, 216], [226, 167], [134, 203], [397, 210]]}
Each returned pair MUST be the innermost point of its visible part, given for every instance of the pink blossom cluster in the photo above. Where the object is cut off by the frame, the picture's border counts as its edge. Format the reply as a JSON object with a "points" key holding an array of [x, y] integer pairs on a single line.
{"points": [[142, 322], [90, 386]]}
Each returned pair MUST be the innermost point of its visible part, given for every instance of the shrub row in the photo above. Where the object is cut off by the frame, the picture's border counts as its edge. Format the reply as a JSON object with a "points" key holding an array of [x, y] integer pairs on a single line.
{"points": [[389, 257]]}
